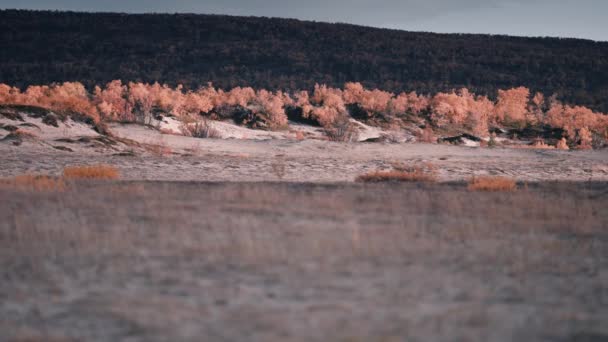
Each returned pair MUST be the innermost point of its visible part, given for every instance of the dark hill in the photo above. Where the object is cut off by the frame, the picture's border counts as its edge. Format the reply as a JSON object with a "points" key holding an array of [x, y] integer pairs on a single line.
{"points": [[43, 47]]}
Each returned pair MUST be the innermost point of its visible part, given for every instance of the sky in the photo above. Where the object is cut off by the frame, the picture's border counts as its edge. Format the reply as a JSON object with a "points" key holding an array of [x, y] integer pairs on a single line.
{"points": [[555, 18]]}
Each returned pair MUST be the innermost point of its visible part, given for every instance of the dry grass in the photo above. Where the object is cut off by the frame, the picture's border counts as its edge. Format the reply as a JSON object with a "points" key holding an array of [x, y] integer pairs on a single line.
{"points": [[91, 172], [200, 129], [299, 135], [24, 134], [35, 183], [160, 150], [342, 130], [538, 144], [492, 183], [366, 239], [402, 173], [158, 147]]}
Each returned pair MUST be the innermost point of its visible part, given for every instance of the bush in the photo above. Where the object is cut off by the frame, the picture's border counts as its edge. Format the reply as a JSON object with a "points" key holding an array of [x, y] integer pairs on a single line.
{"points": [[342, 131], [402, 173], [492, 183], [91, 172], [200, 129], [562, 144], [395, 176], [427, 135]]}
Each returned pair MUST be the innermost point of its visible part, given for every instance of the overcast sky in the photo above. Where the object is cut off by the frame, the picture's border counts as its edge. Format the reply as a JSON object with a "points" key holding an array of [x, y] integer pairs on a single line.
{"points": [[556, 18]]}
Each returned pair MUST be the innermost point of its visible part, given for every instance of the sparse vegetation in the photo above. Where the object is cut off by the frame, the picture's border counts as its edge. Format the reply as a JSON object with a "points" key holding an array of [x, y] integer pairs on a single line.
{"points": [[158, 253], [402, 173], [200, 129], [91, 172], [341, 131], [35, 183], [492, 183]]}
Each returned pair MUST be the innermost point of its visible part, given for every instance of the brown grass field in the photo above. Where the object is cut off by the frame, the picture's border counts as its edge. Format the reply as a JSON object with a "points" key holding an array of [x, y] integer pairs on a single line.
{"points": [[195, 261]]}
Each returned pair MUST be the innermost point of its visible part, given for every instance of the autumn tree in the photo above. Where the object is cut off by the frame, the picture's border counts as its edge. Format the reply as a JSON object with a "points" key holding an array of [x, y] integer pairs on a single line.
{"points": [[512, 106], [112, 101]]}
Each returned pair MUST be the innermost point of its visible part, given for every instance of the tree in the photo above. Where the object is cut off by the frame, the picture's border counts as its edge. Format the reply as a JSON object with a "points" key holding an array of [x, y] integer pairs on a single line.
{"points": [[512, 106]]}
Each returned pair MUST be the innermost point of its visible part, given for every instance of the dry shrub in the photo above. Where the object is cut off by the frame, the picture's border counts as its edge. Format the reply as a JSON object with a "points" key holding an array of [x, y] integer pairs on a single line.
{"points": [[158, 148], [201, 129], [402, 173], [91, 172], [562, 144], [395, 176], [427, 135], [342, 130], [299, 135], [538, 144], [161, 149], [492, 183], [24, 134], [279, 168], [35, 183]]}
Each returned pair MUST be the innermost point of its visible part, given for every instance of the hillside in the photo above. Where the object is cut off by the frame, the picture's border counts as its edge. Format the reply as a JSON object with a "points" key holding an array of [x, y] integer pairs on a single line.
{"points": [[46, 47]]}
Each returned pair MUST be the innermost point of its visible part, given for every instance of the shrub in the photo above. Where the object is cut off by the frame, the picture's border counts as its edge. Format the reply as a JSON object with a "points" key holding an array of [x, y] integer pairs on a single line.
{"points": [[537, 144], [342, 131], [91, 172], [200, 129], [395, 176], [402, 173], [492, 183], [427, 135], [492, 142], [299, 135], [562, 144], [160, 149]]}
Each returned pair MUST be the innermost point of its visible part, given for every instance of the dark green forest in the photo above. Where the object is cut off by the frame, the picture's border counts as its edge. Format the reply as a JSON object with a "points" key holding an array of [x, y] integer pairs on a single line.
{"points": [[42, 47]]}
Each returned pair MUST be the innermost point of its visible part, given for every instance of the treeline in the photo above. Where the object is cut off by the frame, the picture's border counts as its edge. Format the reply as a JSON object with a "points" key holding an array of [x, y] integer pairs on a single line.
{"points": [[41, 47], [325, 106]]}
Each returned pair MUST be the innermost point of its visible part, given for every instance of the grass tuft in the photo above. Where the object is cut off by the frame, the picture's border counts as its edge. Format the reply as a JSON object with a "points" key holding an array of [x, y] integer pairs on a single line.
{"points": [[91, 172], [492, 183], [419, 173]]}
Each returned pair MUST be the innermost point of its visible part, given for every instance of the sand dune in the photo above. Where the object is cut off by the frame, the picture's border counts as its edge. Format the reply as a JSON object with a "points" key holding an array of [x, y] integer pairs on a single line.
{"points": [[143, 152]]}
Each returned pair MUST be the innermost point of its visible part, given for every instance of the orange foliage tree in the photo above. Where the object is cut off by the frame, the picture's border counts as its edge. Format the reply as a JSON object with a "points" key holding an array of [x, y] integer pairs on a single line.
{"points": [[512, 106], [326, 105]]}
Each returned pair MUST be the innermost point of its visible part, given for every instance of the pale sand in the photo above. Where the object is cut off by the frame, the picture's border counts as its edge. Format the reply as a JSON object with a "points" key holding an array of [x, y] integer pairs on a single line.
{"points": [[277, 156]]}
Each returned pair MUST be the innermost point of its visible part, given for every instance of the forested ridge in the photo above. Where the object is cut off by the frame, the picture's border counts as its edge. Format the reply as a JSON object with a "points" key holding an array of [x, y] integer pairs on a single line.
{"points": [[42, 47]]}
